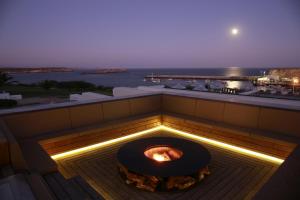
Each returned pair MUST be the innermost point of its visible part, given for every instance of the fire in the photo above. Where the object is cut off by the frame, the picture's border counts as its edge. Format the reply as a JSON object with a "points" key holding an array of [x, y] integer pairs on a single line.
{"points": [[163, 153], [161, 157]]}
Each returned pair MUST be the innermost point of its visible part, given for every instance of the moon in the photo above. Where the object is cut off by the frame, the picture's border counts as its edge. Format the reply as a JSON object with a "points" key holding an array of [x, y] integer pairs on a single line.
{"points": [[234, 31]]}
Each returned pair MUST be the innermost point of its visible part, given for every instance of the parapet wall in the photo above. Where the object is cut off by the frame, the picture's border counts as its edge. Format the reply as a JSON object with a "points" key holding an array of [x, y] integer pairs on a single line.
{"points": [[33, 123], [275, 120]]}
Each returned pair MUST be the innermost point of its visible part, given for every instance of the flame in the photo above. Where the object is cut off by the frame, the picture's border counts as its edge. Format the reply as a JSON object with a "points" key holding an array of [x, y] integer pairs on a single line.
{"points": [[161, 157]]}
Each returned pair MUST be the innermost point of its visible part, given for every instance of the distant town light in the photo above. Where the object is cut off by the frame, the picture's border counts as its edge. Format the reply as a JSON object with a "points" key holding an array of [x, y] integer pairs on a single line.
{"points": [[295, 82]]}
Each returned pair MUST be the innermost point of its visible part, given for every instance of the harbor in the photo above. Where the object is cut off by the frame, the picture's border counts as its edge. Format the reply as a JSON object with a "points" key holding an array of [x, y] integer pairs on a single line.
{"points": [[275, 85], [197, 77]]}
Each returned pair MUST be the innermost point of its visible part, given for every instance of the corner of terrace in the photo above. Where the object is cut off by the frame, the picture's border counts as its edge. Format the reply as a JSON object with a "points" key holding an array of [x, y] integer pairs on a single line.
{"points": [[69, 151]]}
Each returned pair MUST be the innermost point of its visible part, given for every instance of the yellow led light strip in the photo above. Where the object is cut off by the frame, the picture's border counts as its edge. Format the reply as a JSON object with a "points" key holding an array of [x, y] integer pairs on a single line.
{"points": [[106, 143], [178, 132], [224, 145]]}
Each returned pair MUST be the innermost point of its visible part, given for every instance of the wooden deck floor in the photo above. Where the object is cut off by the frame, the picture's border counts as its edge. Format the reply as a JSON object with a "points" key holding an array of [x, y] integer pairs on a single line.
{"points": [[233, 176]]}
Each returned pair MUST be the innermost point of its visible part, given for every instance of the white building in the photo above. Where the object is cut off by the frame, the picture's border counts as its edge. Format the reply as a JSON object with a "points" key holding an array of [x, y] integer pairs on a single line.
{"points": [[268, 79], [6, 95], [87, 96]]}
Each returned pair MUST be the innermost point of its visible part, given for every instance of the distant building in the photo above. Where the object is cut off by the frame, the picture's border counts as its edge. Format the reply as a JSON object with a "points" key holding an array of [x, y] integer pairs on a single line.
{"points": [[87, 96], [285, 72], [6, 95], [268, 79]]}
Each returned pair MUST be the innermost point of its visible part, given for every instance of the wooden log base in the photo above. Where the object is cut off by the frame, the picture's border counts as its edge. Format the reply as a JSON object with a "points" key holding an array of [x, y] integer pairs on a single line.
{"points": [[153, 183]]}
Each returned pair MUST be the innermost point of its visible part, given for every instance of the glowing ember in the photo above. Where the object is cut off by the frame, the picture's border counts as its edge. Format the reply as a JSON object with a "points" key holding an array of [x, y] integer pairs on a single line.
{"points": [[163, 153]]}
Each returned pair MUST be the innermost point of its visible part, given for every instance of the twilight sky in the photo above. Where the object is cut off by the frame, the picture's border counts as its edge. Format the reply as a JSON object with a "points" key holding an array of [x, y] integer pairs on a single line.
{"points": [[150, 33]]}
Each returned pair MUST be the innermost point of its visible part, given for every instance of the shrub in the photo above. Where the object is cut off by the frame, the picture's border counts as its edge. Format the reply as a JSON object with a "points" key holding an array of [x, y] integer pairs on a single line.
{"points": [[105, 88], [77, 85], [8, 103], [47, 84], [4, 78], [189, 87]]}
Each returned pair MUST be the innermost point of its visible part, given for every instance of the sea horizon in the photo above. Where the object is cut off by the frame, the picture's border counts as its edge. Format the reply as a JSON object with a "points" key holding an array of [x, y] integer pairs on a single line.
{"points": [[133, 77]]}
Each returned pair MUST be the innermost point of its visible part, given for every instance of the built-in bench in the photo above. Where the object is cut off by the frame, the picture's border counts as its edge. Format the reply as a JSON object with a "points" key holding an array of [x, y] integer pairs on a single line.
{"points": [[256, 140], [243, 125], [59, 142]]}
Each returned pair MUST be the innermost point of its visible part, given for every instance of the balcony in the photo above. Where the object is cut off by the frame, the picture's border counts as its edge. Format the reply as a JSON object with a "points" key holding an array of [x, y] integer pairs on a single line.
{"points": [[69, 151]]}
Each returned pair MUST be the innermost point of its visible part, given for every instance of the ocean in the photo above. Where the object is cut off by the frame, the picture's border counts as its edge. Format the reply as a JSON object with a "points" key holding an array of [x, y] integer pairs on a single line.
{"points": [[135, 77]]}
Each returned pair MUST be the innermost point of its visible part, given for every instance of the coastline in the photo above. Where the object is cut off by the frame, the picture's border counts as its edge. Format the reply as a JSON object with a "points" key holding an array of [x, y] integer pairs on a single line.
{"points": [[17, 70]]}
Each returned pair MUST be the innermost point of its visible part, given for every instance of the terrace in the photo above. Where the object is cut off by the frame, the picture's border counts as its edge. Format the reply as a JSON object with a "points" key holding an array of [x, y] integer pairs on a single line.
{"points": [[69, 151]]}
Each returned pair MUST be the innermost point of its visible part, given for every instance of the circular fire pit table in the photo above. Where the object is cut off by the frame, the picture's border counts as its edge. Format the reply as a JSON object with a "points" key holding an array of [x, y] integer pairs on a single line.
{"points": [[163, 163]]}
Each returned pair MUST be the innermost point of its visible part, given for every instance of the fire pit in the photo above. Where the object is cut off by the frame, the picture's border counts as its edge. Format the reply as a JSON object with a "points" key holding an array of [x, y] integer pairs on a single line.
{"points": [[163, 163]]}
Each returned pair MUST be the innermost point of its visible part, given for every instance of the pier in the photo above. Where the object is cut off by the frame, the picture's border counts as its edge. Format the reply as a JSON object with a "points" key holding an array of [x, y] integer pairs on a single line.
{"points": [[196, 77]]}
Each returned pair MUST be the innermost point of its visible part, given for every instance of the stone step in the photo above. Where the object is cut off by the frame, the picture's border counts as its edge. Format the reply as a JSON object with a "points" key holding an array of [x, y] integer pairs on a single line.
{"points": [[74, 189], [15, 187]]}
